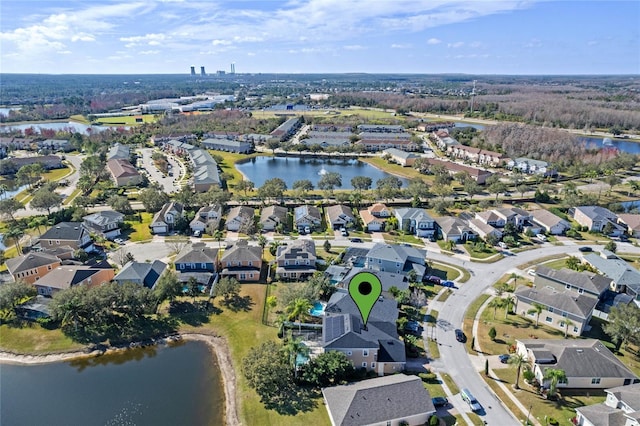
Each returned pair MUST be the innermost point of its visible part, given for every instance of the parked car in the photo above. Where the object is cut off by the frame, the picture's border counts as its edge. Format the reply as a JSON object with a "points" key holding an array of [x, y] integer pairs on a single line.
{"points": [[307, 230], [413, 327], [471, 400], [344, 232], [585, 249], [197, 233], [440, 401], [460, 337], [504, 358], [531, 272], [541, 237], [433, 279], [119, 241], [503, 245], [356, 240], [449, 284]]}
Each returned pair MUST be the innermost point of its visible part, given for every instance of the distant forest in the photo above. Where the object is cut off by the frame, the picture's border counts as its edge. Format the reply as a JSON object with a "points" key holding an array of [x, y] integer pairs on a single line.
{"points": [[579, 102]]}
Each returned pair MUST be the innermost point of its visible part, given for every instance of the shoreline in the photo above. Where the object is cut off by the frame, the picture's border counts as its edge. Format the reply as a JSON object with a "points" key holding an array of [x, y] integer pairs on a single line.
{"points": [[216, 343]]}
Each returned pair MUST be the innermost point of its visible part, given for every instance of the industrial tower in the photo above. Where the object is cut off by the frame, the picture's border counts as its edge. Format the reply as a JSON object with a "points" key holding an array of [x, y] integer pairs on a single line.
{"points": [[233, 67], [193, 71], [202, 72]]}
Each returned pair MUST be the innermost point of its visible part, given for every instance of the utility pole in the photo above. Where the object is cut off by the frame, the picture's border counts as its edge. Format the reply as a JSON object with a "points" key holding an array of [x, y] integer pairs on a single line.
{"points": [[473, 95]]}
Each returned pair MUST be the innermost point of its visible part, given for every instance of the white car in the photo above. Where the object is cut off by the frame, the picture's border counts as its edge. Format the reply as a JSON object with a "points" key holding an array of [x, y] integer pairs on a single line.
{"points": [[119, 241], [531, 272], [541, 237]]}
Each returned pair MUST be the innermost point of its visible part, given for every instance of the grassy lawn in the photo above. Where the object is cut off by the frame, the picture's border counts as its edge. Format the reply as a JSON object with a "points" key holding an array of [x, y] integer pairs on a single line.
{"points": [[484, 254], [444, 295], [402, 238], [33, 339], [450, 383], [434, 351], [57, 174], [71, 197], [562, 410], [469, 316], [229, 159], [541, 261], [141, 230], [450, 272], [557, 264], [394, 169], [243, 330]]}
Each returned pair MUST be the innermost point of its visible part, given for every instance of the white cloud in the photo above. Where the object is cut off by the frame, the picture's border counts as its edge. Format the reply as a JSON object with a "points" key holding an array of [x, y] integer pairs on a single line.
{"points": [[83, 37], [251, 54], [221, 42], [149, 52], [401, 46], [434, 41], [353, 47], [456, 44], [64, 52]]}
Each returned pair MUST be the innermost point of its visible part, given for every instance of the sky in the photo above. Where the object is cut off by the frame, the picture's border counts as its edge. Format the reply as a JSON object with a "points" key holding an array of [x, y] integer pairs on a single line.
{"points": [[320, 36]]}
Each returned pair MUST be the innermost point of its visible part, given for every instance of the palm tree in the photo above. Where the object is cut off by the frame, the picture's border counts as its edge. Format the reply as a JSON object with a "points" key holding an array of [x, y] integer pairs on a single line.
{"points": [[217, 235], [567, 324], [262, 242], [507, 302], [634, 185], [295, 347], [554, 376], [537, 309], [514, 276], [4, 188], [495, 304], [518, 361], [299, 308], [14, 234]]}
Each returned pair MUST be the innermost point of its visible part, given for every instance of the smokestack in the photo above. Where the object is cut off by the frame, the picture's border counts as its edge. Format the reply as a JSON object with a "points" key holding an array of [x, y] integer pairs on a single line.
{"points": [[193, 70], [202, 72]]}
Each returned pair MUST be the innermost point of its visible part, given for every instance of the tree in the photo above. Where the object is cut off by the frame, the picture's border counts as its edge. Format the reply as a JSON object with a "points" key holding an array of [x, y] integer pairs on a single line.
{"points": [[612, 180], [507, 303], [567, 323], [295, 347], [299, 308], [493, 333], [327, 246], [472, 188], [573, 263], [266, 368], [417, 189], [327, 369], [329, 181], [611, 246], [123, 257], [303, 186], [152, 199], [120, 204], [14, 233], [262, 242], [321, 287], [555, 376], [497, 188], [12, 295], [273, 145], [244, 186], [361, 183], [623, 324], [44, 199], [272, 302], [168, 288], [8, 207], [177, 244], [536, 309], [228, 288], [517, 361], [272, 188], [193, 287]]}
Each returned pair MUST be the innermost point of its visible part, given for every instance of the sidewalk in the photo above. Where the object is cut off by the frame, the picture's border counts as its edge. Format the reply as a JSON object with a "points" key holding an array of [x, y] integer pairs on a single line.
{"points": [[480, 362]]}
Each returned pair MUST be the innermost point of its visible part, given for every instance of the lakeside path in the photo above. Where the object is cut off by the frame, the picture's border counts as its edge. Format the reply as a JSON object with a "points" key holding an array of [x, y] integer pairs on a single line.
{"points": [[217, 344]]}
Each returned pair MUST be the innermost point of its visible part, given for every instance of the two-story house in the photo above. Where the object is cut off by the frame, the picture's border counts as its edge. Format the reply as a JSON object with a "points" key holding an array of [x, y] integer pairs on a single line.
{"points": [[239, 218], [164, 221], [339, 216], [596, 218], [207, 218], [296, 260], [273, 216], [416, 221], [32, 266], [551, 223], [71, 234], [67, 276], [375, 216], [104, 223], [123, 172], [242, 261], [622, 407], [624, 277], [455, 229], [306, 216], [199, 261], [396, 259], [142, 273]]}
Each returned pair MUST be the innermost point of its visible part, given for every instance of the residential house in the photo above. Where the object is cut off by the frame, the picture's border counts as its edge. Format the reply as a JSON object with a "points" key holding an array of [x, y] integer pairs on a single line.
{"points": [[475, 155], [587, 283], [396, 259], [376, 347], [198, 261], [416, 221], [551, 223], [339, 216], [376, 144], [380, 128], [405, 159], [559, 306], [142, 273], [124, 173], [119, 152], [306, 215], [625, 278], [242, 261], [514, 215], [393, 400], [272, 216], [479, 175], [105, 223], [286, 129], [455, 229], [443, 140], [343, 274], [631, 222], [296, 260], [375, 216], [67, 276], [531, 166], [55, 145], [12, 164], [71, 234], [228, 145], [432, 126], [587, 363], [240, 218], [32, 266], [327, 142], [621, 408], [483, 229], [205, 170], [596, 218], [207, 218], [164, 221]]}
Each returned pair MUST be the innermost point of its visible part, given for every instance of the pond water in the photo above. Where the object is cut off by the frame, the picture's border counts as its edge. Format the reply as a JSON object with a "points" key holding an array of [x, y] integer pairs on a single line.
{"points": [[6, 110], [165, 385], [630, 205], [57, 126], [290, 169], [621, 144]]}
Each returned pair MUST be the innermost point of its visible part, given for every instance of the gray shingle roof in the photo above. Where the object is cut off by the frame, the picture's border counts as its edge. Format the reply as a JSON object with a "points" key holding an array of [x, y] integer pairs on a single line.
{"points": [[376, 401], [340, 210], [30, 261], [197, 253], [580, 305], [141, 272], [277, 214], [118, 151], [104, 218], [603, 415], [590, 282], [617, 269], [629, 394], [384, 310], [64, 231], [241, 252]]}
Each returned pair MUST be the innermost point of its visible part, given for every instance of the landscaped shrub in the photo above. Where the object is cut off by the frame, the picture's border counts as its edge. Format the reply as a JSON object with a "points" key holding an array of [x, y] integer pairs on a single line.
{"points": [[493, 333], [434, 421], [552, 421], [428, 377]]}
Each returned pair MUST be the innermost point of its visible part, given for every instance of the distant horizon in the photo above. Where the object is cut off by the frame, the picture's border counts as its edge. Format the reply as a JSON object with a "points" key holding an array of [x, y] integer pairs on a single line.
{"points": [[228, 75], [165, 37]]}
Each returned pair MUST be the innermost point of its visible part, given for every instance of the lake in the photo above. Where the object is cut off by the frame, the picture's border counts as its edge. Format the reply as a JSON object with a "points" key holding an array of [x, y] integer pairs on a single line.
{"points": [[164, 385], [291, 169], [57, 126], [621, 144]]}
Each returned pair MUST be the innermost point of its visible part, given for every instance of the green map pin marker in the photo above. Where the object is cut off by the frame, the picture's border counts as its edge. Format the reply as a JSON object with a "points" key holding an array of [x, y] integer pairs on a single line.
{"points": [[364, 289]]}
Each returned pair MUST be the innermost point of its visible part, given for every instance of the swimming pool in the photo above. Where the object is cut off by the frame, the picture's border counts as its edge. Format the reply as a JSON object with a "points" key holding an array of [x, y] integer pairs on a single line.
{"points": [[317, 310]]}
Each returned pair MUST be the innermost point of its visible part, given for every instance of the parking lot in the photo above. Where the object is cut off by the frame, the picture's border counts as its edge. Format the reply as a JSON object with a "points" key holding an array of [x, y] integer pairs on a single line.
{"points": [[169, 183]]}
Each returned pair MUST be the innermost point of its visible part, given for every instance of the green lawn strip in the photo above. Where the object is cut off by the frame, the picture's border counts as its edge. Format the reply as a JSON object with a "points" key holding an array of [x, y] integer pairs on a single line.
{"points": [[434, 351], [452, 272], [402, 238], [502, 396], [475, 419], [450, 383], [469, 316], [557, 264], [141, 230], [435, 389], [541, 260], [57, 174], [79, 118], [562, 410], [127, 120], [33, 339], [243, 330], [228, 165], [71, 197], [444, 295], [394, 169]]}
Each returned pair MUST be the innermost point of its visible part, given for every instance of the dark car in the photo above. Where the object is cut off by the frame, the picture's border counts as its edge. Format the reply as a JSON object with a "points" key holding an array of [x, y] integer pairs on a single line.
{"points": [[440, 401], [585, 249], [504, 358], [433, 279], [460, 337], [449, 284], [413, 327], [356, 240]]}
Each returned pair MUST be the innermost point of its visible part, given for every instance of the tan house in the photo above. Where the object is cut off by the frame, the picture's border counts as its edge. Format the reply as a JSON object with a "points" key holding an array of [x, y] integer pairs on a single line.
{"points": [[632, 222], [296, 260], [587, 363], [32, 266], [67, 276], [242, 262], [123, 172], [404, 158]]}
